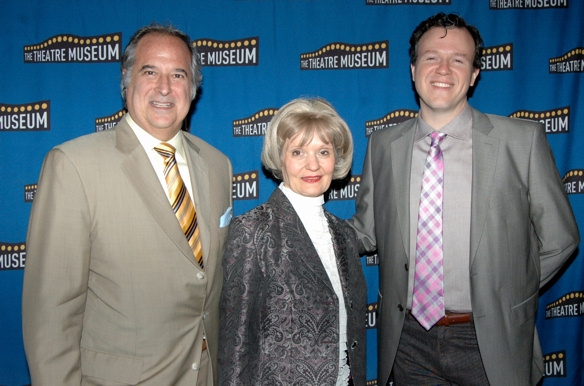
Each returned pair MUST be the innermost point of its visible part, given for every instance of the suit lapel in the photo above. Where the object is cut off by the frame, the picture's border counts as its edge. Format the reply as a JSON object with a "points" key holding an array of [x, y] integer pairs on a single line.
{"points": [[339, 241], [484, 160], [296, 235], [141, 175], [199, 171], [401, 163]]}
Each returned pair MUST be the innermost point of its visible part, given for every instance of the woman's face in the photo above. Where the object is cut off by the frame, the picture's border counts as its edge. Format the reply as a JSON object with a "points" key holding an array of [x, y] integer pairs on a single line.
{"points": [[308, 170]]}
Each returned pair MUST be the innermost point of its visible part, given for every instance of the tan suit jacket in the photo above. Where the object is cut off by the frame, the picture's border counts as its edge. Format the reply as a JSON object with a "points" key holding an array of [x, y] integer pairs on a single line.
{"points": [[112, 293], [522, 232]]}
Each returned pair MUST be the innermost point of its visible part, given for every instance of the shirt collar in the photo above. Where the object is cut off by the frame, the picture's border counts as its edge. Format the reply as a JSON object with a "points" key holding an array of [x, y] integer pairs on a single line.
{"points": [[149, 142], [299, 201], [460, 127]]}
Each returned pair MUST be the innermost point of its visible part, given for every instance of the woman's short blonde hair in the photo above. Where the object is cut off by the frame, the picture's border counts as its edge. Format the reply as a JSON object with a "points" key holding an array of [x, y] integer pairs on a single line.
{"points": [[308, 117]]}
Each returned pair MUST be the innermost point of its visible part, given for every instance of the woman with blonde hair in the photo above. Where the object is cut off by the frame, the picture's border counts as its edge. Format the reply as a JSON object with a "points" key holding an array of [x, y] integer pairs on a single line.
{"points": [[292, 310]]}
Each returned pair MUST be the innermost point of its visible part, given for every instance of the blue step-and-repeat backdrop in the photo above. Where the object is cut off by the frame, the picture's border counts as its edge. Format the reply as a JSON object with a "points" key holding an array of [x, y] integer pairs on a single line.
{"points": [[60, 71]]}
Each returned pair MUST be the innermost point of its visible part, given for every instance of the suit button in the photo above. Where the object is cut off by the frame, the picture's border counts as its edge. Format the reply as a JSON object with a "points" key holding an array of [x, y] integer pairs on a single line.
{"points": [[200, 275], [195, 366], [351, 305], [205, 315], [406, 267], [400, 308], [354, 344]]}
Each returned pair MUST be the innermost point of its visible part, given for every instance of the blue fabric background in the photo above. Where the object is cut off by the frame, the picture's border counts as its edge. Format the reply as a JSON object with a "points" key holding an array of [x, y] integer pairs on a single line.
{"points": [[534, 32]]}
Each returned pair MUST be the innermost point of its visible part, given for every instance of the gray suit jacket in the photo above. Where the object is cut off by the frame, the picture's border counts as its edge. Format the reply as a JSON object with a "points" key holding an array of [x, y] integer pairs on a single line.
{"points": [[112, 292], [279, 311], [522, 232]]}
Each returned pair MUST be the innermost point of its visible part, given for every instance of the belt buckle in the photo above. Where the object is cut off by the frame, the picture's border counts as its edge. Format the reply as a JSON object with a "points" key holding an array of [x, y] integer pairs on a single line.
{"points": [[445, 321]]}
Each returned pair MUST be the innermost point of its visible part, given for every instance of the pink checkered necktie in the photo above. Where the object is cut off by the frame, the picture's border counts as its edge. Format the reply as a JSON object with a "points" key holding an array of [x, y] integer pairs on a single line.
{"points": [[428, 298]]}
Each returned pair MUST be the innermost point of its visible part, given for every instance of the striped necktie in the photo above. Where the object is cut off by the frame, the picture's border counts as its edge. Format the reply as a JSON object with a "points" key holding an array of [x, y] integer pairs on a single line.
{"points": [[180, 200], [428, 297]]}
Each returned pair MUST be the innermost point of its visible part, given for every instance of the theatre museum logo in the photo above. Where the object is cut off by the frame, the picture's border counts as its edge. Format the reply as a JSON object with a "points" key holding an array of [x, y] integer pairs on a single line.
{"points": [[527, 4], [574, 181], [571, 61], [34, 116], [346, 189], [246, 185], [110, 121], [497, 58], [390, 119], [254, 125], [67, 48], [569, 305], [555, 364], [240, 52], [342, 56], [12, 256], [408, 2], [555, 121]]}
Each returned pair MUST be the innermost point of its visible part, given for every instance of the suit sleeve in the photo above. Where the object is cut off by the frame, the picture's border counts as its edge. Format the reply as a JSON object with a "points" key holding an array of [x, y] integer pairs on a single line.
{"points": [[238, 316], [551, 213], [56, 274], [364, 219]]}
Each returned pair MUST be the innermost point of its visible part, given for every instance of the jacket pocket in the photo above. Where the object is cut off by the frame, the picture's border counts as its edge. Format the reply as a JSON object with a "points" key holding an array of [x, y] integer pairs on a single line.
{"points": [[525, 310], [110, 367]]}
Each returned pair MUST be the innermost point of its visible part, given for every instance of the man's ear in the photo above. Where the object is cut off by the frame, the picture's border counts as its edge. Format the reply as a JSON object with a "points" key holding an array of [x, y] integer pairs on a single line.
{"points": [[474, 76]]}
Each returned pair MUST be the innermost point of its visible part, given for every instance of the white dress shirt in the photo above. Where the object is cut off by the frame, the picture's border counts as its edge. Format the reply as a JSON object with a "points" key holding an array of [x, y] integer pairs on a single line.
{"points": [[311, 213]]}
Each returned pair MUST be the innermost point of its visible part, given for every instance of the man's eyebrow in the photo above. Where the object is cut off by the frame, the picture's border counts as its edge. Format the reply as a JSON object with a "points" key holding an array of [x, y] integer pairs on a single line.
{"points": [[147, 67], [455, 53], [182, 71], [152, 67]]}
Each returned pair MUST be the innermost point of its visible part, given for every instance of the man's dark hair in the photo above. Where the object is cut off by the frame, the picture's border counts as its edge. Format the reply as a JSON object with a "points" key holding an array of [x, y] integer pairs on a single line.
{"points": [[449, 21]]}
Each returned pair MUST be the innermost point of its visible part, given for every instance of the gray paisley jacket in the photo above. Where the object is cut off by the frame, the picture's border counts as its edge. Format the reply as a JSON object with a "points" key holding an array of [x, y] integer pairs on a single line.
{"points": [[278, 311]]}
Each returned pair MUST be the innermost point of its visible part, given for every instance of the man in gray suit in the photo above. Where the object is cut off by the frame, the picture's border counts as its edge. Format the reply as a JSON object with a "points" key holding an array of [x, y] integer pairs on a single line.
{"points": [[113, 290], [498, 219]]}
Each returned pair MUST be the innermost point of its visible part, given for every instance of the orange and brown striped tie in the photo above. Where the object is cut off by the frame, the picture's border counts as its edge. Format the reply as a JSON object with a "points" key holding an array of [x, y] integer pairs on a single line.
{"points": [[180, 200]]}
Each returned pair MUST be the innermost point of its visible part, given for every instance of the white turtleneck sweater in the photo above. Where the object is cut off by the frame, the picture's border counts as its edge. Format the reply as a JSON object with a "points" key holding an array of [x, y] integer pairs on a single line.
{"points": [[311, 213]]}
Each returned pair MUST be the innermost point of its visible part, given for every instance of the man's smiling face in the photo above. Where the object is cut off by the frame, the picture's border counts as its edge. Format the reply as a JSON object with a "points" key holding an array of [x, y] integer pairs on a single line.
{"points": [[443, 72], [158, 97]]}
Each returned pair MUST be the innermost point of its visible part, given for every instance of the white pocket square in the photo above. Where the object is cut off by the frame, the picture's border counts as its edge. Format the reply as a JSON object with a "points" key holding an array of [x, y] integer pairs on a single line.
{"points": [[226, 218]]}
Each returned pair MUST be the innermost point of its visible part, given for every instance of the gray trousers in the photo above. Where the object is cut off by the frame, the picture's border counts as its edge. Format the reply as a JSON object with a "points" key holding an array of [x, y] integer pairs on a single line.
{"points": [[445, 355]]}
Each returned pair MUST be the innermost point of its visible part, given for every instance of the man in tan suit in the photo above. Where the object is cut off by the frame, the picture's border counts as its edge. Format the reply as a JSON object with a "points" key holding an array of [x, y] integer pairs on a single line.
{"points": [[113, 293]]}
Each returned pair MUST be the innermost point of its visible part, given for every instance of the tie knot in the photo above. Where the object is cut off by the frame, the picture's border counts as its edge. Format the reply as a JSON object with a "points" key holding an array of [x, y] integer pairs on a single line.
{"points": [[165, 149], [437, 137]]}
